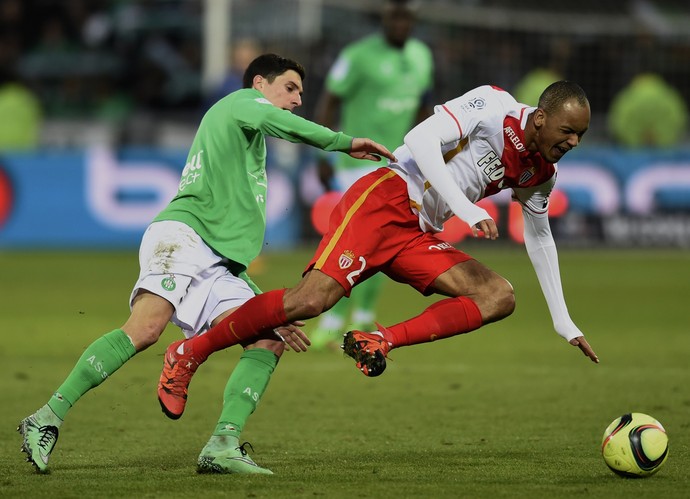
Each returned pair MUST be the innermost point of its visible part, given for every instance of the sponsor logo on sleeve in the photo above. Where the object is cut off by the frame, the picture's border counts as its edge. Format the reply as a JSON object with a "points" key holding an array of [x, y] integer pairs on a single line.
{"points": [[474, 104]]}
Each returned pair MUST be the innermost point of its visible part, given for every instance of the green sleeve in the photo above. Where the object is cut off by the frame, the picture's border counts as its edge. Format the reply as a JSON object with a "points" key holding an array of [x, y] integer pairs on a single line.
{"points": [[343, 76], [260, 114]]}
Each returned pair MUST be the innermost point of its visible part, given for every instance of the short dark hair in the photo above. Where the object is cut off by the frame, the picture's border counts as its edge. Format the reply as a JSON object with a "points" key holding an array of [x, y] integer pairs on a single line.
{"points": [[269, 66], [405, 4], [558, 93], [411, 6]]}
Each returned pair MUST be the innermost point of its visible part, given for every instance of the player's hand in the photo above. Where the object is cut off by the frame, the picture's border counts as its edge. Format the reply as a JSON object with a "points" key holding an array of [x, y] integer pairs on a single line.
{"points": [[368, 149], [582, 344], [487, 227], [295, 339]]}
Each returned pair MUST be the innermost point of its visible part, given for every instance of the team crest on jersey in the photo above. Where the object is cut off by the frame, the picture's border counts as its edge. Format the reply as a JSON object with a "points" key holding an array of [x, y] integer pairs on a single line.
{"points": [[526, 175], [346, 259]]}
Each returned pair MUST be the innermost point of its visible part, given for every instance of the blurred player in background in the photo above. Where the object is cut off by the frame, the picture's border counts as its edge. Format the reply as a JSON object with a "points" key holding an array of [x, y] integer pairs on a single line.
{"points": [[194, 256], [242, 52], [379, 87], [648, 112], [472, 147]]}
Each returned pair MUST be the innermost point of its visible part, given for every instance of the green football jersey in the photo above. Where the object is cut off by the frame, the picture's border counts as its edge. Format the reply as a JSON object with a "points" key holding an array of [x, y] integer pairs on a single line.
{"points": [[381, 88], [222, 191]]}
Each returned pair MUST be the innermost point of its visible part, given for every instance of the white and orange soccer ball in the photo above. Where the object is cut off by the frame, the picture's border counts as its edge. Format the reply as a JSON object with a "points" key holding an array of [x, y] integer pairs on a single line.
{"points": [[635, 445]]}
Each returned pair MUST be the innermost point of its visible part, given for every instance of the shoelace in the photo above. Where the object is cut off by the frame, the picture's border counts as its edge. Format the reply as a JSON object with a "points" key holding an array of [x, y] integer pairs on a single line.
{"points": [[242, 449], [48, 437], [175, 366], [176, 378], [381, 343]]}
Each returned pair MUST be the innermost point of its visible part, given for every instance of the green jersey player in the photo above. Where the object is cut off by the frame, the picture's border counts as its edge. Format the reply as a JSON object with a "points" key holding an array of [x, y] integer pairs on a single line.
{"points": [[380, 86], [194, 256]]}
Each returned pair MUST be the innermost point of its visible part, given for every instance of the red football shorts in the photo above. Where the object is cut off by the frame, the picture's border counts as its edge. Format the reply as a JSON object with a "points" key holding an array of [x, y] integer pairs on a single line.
{"points": [[373, 229]]}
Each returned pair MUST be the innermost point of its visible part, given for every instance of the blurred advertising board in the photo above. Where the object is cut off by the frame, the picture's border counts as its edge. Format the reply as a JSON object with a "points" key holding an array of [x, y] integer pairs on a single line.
{"points": [[103, 198]]}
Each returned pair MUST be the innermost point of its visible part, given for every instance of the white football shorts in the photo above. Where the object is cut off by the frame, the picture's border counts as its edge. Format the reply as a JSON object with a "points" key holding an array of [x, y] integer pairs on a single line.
{"points": [[176, 264]]}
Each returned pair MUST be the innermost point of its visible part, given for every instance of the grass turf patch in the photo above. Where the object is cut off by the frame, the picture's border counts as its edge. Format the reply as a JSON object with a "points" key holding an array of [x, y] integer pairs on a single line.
{"points": [[508, 411]]}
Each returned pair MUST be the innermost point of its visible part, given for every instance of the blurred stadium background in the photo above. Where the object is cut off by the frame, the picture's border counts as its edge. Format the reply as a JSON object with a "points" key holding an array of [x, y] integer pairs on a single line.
{"points": [[100, 100]]}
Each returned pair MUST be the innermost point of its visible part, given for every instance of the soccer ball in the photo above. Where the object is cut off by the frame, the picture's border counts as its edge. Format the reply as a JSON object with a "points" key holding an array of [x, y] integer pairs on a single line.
{"points": [[635, 445]]}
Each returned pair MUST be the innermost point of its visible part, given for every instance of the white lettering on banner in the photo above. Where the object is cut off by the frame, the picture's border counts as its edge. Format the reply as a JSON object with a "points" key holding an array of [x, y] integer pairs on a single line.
{"points": [[648, 230], [106, 178], [642, 186], [598, 182]]}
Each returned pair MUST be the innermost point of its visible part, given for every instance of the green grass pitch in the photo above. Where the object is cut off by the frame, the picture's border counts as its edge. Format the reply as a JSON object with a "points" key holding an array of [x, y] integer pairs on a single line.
{"points": [[509, 411]]}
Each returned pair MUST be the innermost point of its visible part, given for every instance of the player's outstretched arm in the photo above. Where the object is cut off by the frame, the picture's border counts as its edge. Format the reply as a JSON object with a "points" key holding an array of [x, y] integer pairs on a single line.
{"points": [[587, 350], [368, 149], [541, 249]]}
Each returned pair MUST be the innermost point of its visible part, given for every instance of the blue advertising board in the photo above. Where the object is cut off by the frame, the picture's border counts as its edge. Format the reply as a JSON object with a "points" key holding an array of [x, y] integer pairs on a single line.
{"points": [[103, 198], [100, 198]]}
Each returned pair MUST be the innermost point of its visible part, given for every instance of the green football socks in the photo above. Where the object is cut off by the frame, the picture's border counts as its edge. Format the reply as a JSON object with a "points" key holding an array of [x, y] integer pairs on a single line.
{"points": [[244, 389], [100, 359]]}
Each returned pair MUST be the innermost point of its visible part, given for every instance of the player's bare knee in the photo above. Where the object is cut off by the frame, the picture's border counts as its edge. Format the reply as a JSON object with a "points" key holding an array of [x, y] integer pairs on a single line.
{"points": [[143, 336], [505, 299], [301, 304], [276, 346], [497, 300], [312, 306]]}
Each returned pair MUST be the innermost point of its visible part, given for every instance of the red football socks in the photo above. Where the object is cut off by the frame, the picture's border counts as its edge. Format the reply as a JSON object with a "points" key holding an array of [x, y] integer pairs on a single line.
{"points": [[442, 319], [263, 312]]}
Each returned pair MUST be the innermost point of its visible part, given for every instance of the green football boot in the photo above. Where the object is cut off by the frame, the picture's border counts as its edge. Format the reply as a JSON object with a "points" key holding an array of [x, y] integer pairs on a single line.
{"points": [[40, 433], [224, 454]]}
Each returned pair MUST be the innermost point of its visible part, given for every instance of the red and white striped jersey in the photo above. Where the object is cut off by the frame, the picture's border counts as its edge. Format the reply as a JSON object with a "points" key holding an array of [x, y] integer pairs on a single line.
{"points": [[483, 147]]}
